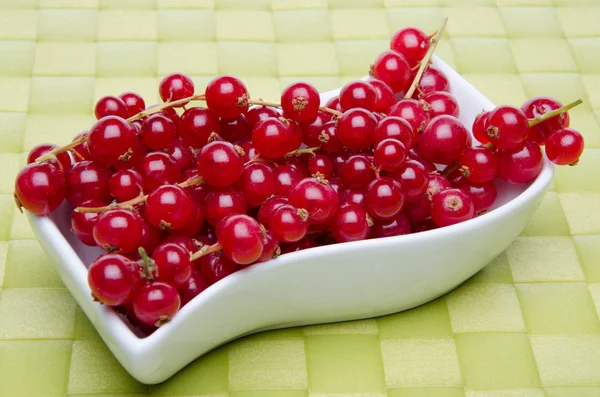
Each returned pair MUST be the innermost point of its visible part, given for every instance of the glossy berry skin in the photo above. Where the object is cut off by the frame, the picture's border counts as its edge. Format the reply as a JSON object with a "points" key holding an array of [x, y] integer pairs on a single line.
{"points": [[40, 188], [451, 206], [82, 224], [195, 222], [134, 103], [110, 106], [182, 154], [158, 132], [521, 164], [316, 197], [411, 42], [479, 164], [436, 184], [483, 194], [271, 248], [564, 147], [287, 177], [175, 86], [395, 128], [300, 102], [125, 185], [87, 180], [235, 130], [196, 125], [352, 195], [173, 264], [240, 238], [271, 137], [215, 267], [355, 129], [113, 279], [220, 203], [384, 198], [150, 237], [260, 112], [169, 207], [443, 140], [118, 230], [111, 141], [329, 138], [385, 95], [480, 127], [350, 224], [257, 183], [413, 178], [64, 159], [226, 96], [413, 112], [506, 127], [433, 80], [538, 106], [441, 102], [192, 287], [268, 209], [393, 69], [358, 94], [81, 151], [397, 226], [417, 210], [320, 163], [389, 154], [288, 223], [357, 171], [156, 303], [157, 169], [312, 130], [220, 164]]}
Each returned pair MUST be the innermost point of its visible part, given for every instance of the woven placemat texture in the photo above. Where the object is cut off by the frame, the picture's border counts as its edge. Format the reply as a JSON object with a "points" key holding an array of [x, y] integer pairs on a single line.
{"points": [[526, 326]]}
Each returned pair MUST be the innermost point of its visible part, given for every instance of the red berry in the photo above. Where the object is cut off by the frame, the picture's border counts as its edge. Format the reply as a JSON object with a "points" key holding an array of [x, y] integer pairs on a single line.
{"points": [[479, 164], [358, 94], [303, 244], [436, 184], [215, 267], [173, 264], [506, 127], [235, 130], [150, 237], [196, 125], [357, 171], [220, 203], [440, 103], [389, 154], [443, 140], [271, 248], [87, 180], [480, 127], [352, 195], [118, 230], [169, 207], [182, 154], [350, 224], [226, 96], [300, 102], [81, 151], [356, 128], [192, 287], [329, 139], [412, 111], [125, 185], [315, 196], [311, 131], [413, 178], [538, 106], [157, 169], [113, 279], [111, 141], [240, 238], [396, 226], [268, 208], [411, 42], [82, 223], [134, 103], [384, 198], [195, 222], [433, 80], [110, 106], [564, 147], [64, 159], [417, 210], [288, 223], [158, 132], [171, 114], [249, 151], [259, 113], [483, 194], [257, 183], [287, 177], [451, 206], [175, 86], [156, 303], [396, 128], [40, 188], [320, 163], [220, 164], [385, 95], [521, 164], [393, 69], [271, 137]]}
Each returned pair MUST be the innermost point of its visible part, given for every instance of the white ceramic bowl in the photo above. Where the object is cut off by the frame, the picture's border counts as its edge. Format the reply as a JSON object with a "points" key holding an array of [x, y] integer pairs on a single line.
{"points": [[326, 284]]}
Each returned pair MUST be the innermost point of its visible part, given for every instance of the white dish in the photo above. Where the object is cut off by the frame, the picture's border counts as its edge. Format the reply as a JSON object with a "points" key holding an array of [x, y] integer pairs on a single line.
{"points": [[326, 284]]}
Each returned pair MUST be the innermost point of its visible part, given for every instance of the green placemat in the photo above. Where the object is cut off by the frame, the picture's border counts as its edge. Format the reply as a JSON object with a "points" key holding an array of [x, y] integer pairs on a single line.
{"points": [[526, 326]]}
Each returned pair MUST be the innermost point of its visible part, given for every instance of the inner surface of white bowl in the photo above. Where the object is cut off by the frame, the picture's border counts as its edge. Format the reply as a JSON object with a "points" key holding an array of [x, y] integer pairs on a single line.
{"points": [[325, 284]]}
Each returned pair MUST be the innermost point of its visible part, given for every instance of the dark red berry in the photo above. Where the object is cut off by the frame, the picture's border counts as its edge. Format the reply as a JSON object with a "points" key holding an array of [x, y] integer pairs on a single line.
{"points": [[396, 226], [113, 279], [483, 194], [110, 106]]}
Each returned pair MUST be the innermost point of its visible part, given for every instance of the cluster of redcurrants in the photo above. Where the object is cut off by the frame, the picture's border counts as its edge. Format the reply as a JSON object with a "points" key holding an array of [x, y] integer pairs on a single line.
{"points": [[182, 199]]}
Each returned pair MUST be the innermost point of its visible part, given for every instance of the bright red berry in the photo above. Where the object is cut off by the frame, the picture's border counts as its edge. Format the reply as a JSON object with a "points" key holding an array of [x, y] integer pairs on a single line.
{"points": [[240, 237], [226, 96], [82, 223], [316, 197], [506, 127], [169, 207], [392, 68], [522, 164], [196, 125], [451, 206], [320, 163], [158, 132], [113, 279], [134, 103], [536, 107], [157, 169], [271, 248], [329, 139], [413, 112], [110, 106], [384, 198], [64, 159], [564, 147], [257, 183], [355, 129], [413, 178], [480, 127], [271, 137], [87, 180], [479, 164], [483, 194], [389, 154], [156, 303], [220, 203], [192, 287], [440, 102], [172, 263], [357, 171], [300, 102], [125, 185], [111, 140], [288, 223], [175, 86], [436, 184], [411, 42], [259, 113], [443, 140], [350, 223], [118, 230], [220, 164], [268, 208], [358, 94], [182, 154], [40, 188], [433, 80]]}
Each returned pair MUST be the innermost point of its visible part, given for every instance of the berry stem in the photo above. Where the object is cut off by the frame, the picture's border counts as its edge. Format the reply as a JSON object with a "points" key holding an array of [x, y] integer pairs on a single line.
{"points": [[205, 250], [54, 152], [553, 113], [310, 150], [278, 105], [166, 105], [147, 264], [451, 169], [330, 111], [426, 59]]}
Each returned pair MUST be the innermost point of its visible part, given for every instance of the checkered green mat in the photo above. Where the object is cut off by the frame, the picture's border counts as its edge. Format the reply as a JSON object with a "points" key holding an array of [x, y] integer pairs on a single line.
{"points": [[526, 326]]}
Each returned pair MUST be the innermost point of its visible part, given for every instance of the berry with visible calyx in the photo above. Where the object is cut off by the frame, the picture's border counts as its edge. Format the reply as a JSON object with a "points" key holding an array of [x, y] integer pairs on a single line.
{"points": [[479, 164], [443, 140], [506, 127], [118, 230], [317, 197], [300, 102], [358, 94], [111, 140], [564, 147], [40, 188], [480, 127], [483, 194], [134, 103], [271, 137], [169, 207], [521, 164], [156, 303], [413, 112], [384, 198], [411, 42], [311, 131], [175, 86], [536, 107], [320, 163], [393, 69], [389, 154], [436, 184], [268, 208], [110, 106], [288, 223], [451, 206], [197, 125], [329, 139], [441, 102], [113, 279], [227, 96], [350, 223], [220, 163], [271, 248], [240, 237], [355, 128]]}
